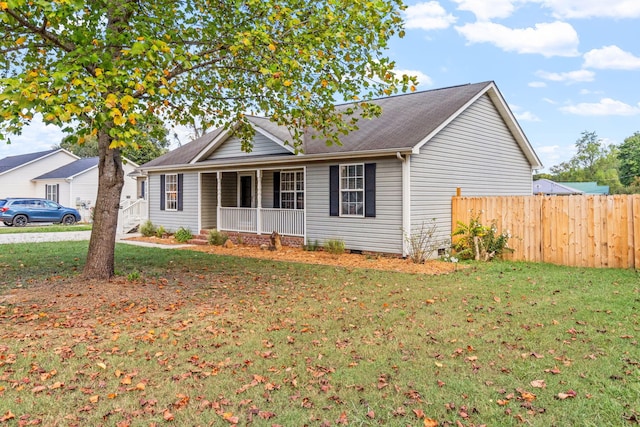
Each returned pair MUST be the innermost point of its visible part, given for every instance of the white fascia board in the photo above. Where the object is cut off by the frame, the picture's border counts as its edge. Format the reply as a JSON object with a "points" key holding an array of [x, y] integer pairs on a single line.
{"points": [[217, 141]]}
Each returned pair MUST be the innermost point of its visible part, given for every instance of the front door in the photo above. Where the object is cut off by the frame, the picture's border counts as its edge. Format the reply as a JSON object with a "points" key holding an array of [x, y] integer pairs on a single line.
{"points": [[246, 191]]}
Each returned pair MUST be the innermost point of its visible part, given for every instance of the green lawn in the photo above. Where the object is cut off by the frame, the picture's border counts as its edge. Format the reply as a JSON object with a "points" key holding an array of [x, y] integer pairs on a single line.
{"points": [[187, 338]]}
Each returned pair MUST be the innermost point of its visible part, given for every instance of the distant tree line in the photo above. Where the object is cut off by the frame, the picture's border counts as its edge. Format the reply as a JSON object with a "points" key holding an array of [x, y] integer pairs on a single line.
{"points": [[617, 166]]}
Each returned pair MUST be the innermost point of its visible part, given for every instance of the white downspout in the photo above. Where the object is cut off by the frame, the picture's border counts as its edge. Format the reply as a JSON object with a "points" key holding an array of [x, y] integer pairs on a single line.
{"points": [[406, 201]]}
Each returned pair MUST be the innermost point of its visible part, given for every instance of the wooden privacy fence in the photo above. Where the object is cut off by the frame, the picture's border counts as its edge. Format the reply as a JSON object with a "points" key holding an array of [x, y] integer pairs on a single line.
{"points": [[581, 231]]}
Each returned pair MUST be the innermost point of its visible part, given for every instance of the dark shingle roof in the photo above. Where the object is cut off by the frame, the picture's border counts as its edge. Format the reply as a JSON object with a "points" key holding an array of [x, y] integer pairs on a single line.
{"points": [[406, 121], [185, 153], [12, 162], [72, 169]]}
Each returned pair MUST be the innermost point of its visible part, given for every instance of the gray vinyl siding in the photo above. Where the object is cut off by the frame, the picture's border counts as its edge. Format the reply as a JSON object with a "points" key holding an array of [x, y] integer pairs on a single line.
{"points": [[380, 234], [173, 220], [262, 146], [267, 189], [475, 152], [209, 194], [229, 189]]}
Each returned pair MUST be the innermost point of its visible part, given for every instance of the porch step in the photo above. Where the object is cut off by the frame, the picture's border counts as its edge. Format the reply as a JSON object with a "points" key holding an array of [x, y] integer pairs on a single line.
{"points": [[199, 240]]}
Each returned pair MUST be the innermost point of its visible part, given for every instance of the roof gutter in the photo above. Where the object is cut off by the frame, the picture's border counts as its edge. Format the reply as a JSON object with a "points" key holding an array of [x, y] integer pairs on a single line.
{"points": [[304, 158]]}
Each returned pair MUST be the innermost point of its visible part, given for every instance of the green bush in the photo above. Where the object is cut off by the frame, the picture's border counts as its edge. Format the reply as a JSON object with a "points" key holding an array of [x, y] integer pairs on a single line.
{"points": [[217, 238], [148, 229], [183, 235], [160, 231], [311, 247], [480, 242], [334, 246]]}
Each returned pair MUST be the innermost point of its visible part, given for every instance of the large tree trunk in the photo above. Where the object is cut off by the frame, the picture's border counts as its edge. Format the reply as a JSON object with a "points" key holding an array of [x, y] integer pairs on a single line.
{"points": [[101, 255]]}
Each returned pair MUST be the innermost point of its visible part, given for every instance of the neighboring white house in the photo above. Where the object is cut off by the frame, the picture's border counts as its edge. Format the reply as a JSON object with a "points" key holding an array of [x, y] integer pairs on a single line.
{"points": [[60, 176], [393, 174], [17, 172]]}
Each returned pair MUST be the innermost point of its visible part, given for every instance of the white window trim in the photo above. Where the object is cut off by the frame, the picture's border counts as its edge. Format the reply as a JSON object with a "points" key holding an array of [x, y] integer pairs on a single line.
{"points": [[54, 189], [167, 192], [253, 185], [342, 190], [295, 190]]}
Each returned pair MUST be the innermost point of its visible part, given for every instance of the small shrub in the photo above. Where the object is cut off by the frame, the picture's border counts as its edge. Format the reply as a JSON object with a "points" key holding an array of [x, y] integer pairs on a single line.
{"points": [[480, 242], [334, 246], [422, 243], [160, 231], [183, 235], [311, 247], [217, 238], [148, 229], [240, 240]]}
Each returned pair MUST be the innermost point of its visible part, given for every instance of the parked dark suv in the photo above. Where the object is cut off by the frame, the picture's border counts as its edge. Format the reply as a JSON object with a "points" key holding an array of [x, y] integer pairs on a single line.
{"points": [[21, 211]]}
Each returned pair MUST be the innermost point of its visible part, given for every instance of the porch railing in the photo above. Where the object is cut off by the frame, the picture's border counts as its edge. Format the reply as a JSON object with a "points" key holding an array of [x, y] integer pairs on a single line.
{"points": [[132, 213], [288, 222]]}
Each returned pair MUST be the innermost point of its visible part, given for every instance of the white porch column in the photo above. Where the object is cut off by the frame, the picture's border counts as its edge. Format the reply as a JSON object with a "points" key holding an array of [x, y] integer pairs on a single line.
{"points": [[219, 196], [259, 202]]}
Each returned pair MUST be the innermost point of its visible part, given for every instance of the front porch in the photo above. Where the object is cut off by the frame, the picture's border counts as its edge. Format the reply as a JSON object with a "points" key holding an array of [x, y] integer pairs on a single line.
{"points": [[288, 222], [254, 201]]}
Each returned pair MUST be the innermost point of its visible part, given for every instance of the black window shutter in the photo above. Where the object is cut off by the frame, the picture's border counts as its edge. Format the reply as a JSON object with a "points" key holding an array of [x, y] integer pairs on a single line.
{"points": [[57, 193], [334, 190], [276, 190], [180, 185], [162, 192], [370, 189]]}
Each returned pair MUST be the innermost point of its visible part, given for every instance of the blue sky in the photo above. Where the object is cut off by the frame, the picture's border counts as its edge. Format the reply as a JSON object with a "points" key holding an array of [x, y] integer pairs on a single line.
{"points": [[564, 66]]}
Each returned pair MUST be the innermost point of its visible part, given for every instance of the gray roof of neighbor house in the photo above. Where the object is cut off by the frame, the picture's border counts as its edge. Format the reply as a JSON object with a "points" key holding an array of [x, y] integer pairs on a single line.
{"points": [[406, 122], [12, 162], [71, 170], [546, 186]]}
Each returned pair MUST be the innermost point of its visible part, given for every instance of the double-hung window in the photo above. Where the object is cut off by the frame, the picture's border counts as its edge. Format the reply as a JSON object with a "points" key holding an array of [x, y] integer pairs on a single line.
{"points": [[171, 192], [292, 190], [352, 190], [51, 192]]}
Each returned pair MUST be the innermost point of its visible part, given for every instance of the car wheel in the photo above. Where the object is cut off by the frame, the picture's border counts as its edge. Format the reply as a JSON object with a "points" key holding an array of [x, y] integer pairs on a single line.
{"points": [[68, 220], [20, 220], [7, 223]]}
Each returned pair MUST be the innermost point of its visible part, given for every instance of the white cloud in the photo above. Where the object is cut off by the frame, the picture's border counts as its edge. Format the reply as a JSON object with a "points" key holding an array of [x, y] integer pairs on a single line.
{"points": [[428, 16], [35, 137], [568, 77], [606, 107], [547, 39], [527, 116], [548, 149], [487, 9], [549, 101], [537, 84], [423, 79], [611, 58], [594, 8]]}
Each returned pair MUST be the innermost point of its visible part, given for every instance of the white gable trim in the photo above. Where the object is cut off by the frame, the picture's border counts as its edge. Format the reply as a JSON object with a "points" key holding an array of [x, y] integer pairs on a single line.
{"points": [[492, 91], [215, 143], [41, 158]]}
